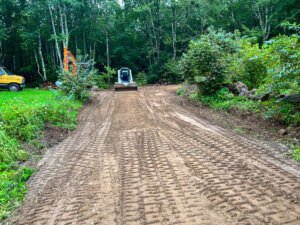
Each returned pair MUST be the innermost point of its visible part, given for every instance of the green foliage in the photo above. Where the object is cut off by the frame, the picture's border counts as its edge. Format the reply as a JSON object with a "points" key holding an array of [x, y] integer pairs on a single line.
{"points": [[205, 62], [107, 79], [180, 91], [141, 79], [77, 86], [10, 149], [281, 112], [171, 72], [152, 78], [142, 35], [13, 188], [273, 68], [296, 154], [22, 118], [224, 100], [281, 57], [247, 64], [24, 114]]}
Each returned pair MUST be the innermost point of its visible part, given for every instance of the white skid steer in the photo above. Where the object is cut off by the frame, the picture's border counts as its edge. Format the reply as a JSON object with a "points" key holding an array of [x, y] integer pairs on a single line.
{"points": [[125, 80]]}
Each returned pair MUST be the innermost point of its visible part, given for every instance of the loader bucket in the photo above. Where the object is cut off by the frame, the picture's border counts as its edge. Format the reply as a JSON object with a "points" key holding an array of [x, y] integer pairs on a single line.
{"points": [[120, 87]]}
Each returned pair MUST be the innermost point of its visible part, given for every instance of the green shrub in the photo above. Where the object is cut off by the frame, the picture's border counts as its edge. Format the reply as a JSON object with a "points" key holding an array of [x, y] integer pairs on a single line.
{"points": [[224, 100], [255, 72], [152, 79], [10, 149], [296, 154], [107, 79], [282, 112], [281, 57], [180, 91], [171, 72], [141, 79], [205, 63], [13, 188], [77, 86]]}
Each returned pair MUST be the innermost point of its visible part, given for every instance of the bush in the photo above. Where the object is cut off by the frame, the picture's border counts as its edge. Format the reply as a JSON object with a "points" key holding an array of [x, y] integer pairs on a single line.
{"points": [[255, 72], [282, 58], [10, 149], [246, 64], [107, 79], [141, 79], [152, 79], [77, 86], [171, 72], [13, 188], [296, 154], [204, 64]]}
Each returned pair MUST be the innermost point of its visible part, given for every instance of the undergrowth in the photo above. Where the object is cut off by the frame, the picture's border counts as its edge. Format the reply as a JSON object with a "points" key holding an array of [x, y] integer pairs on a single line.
{"points": [[296, 154], [23, 116], [281, 112]]}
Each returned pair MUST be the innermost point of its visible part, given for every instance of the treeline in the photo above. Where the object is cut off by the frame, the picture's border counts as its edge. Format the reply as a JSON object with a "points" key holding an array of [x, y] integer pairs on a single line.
{"points": [[145, 35]]}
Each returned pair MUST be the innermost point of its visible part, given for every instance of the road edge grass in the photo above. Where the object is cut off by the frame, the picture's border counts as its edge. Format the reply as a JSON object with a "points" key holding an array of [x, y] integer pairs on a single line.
{"points": [[23, 117]]}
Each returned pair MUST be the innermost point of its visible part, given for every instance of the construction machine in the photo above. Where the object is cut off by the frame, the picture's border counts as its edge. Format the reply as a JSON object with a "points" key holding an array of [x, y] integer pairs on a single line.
{"points": [[69, 59], [125, 80]]}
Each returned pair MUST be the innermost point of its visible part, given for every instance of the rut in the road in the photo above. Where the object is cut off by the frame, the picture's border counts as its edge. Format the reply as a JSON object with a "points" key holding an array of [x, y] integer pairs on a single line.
{"points": [[138, 158]]}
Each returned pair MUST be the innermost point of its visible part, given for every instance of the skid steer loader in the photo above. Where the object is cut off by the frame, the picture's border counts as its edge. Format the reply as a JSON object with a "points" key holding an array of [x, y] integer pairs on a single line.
{"points": [[125, 80]]}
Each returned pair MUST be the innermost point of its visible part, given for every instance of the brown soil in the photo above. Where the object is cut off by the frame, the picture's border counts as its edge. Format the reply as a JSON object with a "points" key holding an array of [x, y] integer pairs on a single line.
{"points": [[53, 135], [142, 158], [245, 123]]}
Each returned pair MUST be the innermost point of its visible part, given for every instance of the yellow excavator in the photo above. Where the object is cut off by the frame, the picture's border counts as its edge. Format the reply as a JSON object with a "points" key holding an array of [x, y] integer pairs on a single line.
{"points": [[125, 80]]}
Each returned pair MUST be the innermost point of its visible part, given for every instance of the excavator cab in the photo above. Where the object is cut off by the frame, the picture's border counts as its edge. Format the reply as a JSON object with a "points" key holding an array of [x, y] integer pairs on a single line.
{"points": [[125, 80]]}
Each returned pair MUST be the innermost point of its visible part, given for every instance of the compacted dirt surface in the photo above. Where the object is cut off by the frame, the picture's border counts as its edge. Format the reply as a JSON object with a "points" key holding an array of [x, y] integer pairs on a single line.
{"points": [[141, 158]]}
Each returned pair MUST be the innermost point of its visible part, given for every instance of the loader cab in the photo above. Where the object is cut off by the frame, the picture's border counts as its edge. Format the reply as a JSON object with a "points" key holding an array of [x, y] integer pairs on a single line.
{"points": [[125, 75]]}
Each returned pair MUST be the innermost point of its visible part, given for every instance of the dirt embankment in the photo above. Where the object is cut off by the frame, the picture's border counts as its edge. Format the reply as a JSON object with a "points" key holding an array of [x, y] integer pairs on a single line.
{"points": [[143, 158]]}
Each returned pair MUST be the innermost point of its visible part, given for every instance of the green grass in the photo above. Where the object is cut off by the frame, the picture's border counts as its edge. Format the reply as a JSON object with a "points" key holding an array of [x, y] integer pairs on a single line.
{"points": [[281, 112], [23, 116], [224, 100], [296, 154]]}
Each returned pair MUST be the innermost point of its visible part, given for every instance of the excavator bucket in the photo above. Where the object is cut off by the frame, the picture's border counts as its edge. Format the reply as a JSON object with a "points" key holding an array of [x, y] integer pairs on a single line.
{"points": [[125, 81]]}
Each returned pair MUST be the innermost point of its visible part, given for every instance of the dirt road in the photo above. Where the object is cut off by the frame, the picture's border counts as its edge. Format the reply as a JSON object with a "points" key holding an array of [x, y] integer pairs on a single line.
{"points": [[140, 158]]}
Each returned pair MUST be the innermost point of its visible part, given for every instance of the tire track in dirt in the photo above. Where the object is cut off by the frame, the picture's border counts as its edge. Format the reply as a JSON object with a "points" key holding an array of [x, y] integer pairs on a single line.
{"points": [[138, 158]]}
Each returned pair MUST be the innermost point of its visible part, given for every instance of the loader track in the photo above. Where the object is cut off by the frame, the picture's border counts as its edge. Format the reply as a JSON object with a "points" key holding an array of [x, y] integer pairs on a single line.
{"points": [[138, 158]]}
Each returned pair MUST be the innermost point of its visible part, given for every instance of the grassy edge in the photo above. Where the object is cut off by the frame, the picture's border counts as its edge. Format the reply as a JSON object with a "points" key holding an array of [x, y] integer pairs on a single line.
{"points": [[13, 174]]}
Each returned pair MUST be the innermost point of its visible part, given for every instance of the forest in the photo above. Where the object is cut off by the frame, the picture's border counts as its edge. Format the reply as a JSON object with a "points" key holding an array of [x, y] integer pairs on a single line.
{"points": [[145, 35]]}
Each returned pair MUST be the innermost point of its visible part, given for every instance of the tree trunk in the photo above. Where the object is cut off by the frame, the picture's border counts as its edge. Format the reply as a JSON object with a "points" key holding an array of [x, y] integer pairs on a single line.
{"points": [[264, 14], [174, 36], [42, 58], [107, 49], [55, 34], [38, 65]]}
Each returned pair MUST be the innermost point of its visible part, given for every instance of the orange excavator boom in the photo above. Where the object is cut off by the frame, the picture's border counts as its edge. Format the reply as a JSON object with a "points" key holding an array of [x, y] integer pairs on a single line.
{"points": [[69, 59]]}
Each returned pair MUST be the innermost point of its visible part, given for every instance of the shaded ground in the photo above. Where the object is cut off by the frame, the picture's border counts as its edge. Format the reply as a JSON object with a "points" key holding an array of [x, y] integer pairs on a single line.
{"points": [[141, 158]]}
